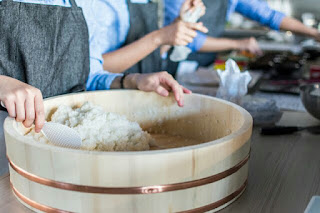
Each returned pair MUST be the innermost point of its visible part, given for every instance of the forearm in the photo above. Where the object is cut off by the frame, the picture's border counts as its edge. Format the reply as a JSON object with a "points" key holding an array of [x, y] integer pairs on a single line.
{"points": [[293, 25], [122, 59], [218, 44], [130, 82]]}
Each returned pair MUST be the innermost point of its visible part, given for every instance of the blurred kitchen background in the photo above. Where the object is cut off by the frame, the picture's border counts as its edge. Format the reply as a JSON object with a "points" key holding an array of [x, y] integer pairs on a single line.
{"points": [[288, 62], [296, 8], [304, 10]]}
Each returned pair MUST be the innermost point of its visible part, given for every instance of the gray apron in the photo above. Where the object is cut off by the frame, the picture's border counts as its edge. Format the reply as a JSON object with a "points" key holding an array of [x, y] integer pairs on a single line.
{"points": [[3, 160], [215, 21], [45, 46], [144, 20]]}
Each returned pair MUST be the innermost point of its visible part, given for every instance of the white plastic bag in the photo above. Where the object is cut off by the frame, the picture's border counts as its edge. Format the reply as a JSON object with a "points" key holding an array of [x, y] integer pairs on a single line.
{"points": [[233, 83]]}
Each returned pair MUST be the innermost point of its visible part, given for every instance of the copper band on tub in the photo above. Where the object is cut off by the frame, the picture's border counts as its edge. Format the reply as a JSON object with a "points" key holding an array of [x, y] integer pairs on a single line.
{"points": [[34, 204], [129, 190], [202, 209], [219, 203]]}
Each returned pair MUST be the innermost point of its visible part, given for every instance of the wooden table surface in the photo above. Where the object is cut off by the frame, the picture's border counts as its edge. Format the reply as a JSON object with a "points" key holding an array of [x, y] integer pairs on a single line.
{"points": [[284, 173]]}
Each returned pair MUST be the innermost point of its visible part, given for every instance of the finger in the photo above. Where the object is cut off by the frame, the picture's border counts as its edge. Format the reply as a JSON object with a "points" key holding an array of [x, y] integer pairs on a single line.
{"points": [[20, 110], [162, 91], [190, 33], [255, 44], [181, 95], [197, 26], [259, 51], [255, 50], [185, 6], [30, 112], [181, 102], [180, 42], [252, 50], [11, 108], [39, 111], [194, 3], [186, 91], [186, 39], [168, 88], [176, 89]]}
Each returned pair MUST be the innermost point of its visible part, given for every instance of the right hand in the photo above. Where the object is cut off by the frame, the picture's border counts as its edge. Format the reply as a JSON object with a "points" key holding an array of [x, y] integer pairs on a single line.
{"points": [[160, 82], [23, 102], [249, 44], [180, 33], [317, 36]]}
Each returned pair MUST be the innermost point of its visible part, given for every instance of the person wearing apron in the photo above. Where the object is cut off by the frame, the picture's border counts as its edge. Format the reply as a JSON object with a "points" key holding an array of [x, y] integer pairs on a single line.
{"points": [[218, 12], [130, 43], [139, 51], [44, 47]]}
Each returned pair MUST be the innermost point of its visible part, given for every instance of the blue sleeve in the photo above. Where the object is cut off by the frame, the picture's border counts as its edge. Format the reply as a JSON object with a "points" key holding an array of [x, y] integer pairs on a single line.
{"points": [[103, 37], [171, 10], [101, 80], [197, 42], [261, 12]]}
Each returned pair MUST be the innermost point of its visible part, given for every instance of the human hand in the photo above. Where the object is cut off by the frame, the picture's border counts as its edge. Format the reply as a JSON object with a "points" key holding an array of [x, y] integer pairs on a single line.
{"points": [[180, 33], [249, 44], [162, 83], [317, 36], [23, 102], [191, 5]]}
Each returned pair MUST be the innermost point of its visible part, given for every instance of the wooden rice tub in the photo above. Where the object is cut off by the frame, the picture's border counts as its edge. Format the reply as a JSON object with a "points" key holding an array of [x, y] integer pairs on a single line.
{"points": [[204, 177]]}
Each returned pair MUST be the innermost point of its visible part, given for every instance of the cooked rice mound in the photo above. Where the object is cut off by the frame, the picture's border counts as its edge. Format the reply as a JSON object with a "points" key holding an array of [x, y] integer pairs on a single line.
{"points": [[100, 130]]}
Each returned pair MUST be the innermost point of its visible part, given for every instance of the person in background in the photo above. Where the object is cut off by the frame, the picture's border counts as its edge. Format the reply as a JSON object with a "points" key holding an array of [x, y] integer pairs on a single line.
{"points": [[218, 12], [135, 34], [128, 36]]}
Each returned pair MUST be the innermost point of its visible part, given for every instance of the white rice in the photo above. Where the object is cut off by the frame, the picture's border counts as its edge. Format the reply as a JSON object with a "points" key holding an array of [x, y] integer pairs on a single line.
{"points": [[100, 130]]}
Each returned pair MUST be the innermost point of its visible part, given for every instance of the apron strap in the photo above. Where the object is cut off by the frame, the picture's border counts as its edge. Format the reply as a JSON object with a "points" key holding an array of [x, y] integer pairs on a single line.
{"points": [[72, 2]]}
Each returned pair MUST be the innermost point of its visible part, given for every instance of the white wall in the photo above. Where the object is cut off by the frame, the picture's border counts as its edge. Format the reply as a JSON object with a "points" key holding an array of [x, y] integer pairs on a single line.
{"points": [[297, 7]]}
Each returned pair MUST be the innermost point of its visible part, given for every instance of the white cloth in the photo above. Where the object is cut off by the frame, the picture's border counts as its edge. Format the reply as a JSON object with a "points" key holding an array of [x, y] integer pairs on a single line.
{"points": [[3, 158]]}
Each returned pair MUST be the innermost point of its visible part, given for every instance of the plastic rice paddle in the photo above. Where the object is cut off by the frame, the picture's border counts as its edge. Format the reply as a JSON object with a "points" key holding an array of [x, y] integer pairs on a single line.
{"points": [[60, 135]]}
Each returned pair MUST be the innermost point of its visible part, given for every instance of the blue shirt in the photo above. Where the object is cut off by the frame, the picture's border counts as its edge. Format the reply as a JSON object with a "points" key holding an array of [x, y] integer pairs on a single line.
{"points": [[254, 9], [102, 19]]}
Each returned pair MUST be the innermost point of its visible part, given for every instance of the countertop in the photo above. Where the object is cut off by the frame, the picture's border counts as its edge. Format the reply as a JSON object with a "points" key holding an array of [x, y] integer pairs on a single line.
{"points": [[284, 173]]}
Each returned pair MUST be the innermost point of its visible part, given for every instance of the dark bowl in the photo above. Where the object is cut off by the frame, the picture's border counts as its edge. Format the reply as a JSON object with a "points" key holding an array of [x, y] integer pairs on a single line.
{"points": [[310, 96]]}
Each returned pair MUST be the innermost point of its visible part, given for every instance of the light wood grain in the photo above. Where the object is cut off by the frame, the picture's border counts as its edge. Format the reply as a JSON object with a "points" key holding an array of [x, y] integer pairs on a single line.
{"points": [[222, 129]]}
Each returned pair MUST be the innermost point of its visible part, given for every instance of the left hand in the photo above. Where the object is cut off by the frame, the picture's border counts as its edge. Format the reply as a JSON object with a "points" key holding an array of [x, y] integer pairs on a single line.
{"points": [[161, 83], [192, 5]]}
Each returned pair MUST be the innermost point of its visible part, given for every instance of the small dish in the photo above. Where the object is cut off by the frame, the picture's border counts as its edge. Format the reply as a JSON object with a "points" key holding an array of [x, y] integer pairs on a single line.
{"points": [[310, 96]]}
